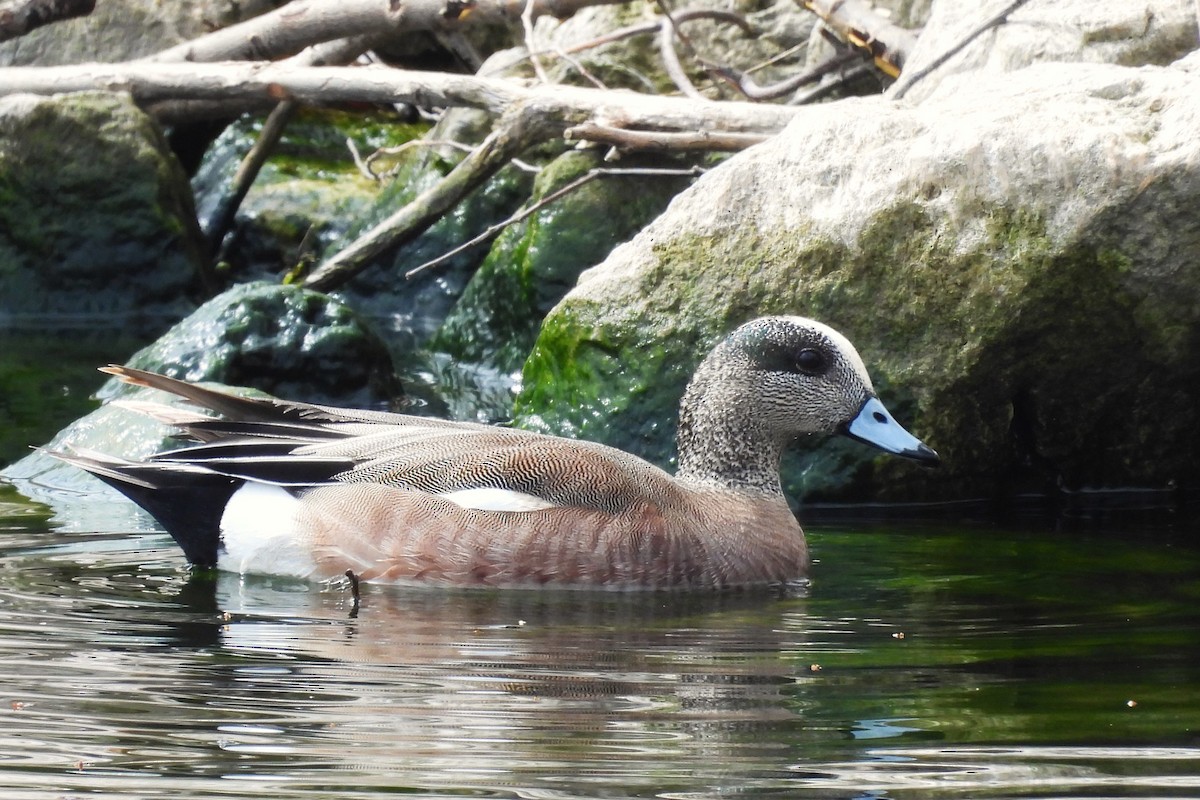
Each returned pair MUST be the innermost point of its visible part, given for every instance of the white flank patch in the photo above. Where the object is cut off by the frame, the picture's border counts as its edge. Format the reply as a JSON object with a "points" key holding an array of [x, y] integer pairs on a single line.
{"points": [[492, 499], [259, 532]]}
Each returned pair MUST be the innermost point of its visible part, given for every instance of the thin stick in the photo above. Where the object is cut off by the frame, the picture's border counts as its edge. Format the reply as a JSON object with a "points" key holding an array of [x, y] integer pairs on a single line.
{"points": [[247, 171], [903, 86], [493, 230], [681, 141], [530, 44], [355, 592]]}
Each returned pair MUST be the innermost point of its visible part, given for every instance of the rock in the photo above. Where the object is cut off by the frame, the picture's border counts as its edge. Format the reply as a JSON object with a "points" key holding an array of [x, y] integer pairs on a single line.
{"points": [[284, 340], [121, 30], [1103, 31], [96, 218], [1018, 259]]}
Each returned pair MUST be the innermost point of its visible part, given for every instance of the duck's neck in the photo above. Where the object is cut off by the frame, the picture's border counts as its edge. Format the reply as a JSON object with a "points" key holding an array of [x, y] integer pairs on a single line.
{"points": [[723, 444]]}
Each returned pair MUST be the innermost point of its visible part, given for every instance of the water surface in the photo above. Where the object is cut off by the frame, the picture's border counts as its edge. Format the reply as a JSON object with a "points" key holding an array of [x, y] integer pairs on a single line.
{"points": [[938, 660]]}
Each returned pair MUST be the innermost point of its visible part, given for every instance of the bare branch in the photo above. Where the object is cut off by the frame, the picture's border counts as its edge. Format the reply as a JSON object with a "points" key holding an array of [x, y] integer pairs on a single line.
{"points": [[699, 140], [746, 85], [670, 59], [251, 164], [19, 17], [492, 231], [561, 106], [302, 23], [909, 81], [521, 127]]}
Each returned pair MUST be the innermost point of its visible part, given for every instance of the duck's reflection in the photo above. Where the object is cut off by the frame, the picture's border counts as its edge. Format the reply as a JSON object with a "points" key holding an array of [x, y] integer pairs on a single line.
{"points": [[501, 682]]}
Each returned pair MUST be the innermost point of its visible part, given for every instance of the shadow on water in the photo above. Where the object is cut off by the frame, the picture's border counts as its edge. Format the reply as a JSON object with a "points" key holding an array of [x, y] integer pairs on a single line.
{"points": [[938, 660]]}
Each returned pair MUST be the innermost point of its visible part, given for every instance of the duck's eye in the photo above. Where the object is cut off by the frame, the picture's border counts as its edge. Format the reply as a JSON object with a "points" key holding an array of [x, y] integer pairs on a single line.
{"points": [[810, 362]]}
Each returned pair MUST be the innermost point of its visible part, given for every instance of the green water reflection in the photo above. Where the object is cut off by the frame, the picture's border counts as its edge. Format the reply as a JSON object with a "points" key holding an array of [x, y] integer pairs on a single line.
{"points": [[945, 660]]}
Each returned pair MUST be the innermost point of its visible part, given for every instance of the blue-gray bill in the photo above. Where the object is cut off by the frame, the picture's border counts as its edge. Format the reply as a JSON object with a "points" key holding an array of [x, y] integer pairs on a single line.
{"points": [[875, 426]]}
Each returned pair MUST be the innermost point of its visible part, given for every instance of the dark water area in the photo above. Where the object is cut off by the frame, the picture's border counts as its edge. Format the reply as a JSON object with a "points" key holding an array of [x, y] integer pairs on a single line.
{"points": [[941, 659]]}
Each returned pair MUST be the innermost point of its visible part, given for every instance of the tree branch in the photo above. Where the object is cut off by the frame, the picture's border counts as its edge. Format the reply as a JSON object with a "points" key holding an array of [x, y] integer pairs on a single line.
{"points": [[493, 230], [562, 106], [19, 17], [302, 23], [522, 126]]}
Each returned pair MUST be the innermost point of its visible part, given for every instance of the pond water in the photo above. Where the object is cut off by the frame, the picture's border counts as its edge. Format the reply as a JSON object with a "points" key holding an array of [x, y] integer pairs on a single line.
{"points": [[935, 660]]}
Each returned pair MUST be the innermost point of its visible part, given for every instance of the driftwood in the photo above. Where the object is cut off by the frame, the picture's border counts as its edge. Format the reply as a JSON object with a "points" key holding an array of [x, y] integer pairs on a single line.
{"points": [[562, 106], [526, 115], [181, 84], [19, 17], [303, 23]]}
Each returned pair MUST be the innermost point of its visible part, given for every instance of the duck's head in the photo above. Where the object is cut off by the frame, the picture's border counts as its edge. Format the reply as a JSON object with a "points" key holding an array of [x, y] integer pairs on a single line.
{"points": [[775, 379]]}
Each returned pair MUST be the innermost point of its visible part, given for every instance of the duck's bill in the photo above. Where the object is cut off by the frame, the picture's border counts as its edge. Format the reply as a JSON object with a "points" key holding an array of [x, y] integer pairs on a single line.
{"points": [[875, 426]]}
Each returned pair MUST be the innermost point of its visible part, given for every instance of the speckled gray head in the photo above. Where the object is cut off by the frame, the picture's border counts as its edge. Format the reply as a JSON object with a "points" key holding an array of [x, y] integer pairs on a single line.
{"points": [[770, 381]]}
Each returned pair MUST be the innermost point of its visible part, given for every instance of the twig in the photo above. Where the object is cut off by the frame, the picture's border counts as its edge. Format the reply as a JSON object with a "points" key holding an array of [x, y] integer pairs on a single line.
{"points": [[530, 46], [493, 230], [746, 85], [363, 168], [368, 165], [681, 141], [826, 87], [19, 17], [670, 59], [251, 164], [580, 68], [908, 81], [355, 592]]}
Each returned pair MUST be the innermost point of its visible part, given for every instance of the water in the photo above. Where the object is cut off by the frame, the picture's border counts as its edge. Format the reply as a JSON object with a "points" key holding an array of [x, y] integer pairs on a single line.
{"points": [[941, 660]]}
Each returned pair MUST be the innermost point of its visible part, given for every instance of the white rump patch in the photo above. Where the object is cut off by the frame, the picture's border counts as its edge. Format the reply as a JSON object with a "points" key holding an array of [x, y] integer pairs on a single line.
{"points": [[258, 529], [491, 499]]}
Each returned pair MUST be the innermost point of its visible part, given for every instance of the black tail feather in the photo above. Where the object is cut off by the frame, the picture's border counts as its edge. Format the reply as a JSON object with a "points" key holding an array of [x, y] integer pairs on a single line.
{"points": [[188, 503]]}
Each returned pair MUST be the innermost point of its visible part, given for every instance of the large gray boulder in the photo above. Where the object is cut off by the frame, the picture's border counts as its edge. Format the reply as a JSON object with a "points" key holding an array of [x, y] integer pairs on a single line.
{"points": [[1018, 258]]}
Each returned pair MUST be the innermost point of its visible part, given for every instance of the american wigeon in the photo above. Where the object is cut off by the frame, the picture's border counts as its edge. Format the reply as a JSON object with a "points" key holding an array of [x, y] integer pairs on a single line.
{"points": [[274, 486]]}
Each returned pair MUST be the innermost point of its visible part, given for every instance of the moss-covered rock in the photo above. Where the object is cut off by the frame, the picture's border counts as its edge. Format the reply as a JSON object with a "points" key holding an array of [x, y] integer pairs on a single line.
{"points": [[535, 262], [96, 217], [1019, 264], [284, 340]]}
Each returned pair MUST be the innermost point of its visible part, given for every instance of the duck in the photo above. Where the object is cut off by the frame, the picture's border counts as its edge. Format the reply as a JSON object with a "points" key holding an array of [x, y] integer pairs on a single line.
{"points": [[281, 487]]}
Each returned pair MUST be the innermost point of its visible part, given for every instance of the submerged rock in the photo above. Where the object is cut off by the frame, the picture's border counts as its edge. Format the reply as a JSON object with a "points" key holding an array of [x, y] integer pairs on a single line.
{"points": [[1018, 259]]}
